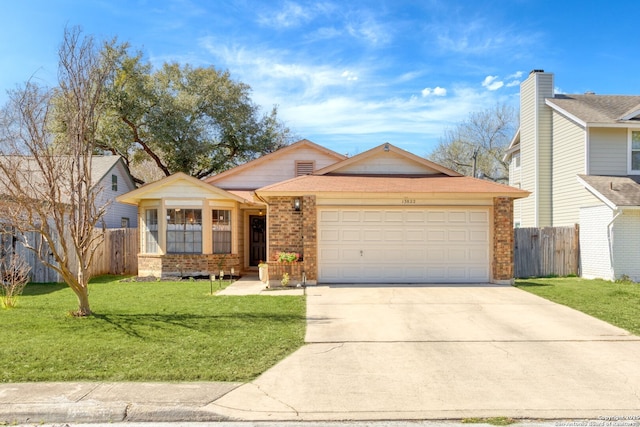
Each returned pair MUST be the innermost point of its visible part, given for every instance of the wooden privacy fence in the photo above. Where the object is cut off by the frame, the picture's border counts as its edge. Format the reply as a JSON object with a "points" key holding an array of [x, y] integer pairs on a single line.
{"points": [[547, 251], [117, 254]]}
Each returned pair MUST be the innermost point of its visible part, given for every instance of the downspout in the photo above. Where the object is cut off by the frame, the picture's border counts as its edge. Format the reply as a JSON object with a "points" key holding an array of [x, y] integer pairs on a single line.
{"points": [[618, 212]]}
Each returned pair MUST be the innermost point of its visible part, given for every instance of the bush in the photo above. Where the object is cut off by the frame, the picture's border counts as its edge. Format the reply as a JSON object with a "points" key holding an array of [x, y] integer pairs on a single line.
{"points": [[14, 275]]}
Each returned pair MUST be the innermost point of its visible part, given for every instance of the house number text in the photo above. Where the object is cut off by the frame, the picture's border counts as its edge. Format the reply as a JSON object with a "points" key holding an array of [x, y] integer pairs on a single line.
{"points": [[408, 201]]}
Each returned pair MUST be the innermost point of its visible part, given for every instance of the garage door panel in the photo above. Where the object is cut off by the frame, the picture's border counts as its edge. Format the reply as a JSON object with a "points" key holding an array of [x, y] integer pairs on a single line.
{"points": [[457, 217], [480, 236], [457, 236], [394, 235], [372, 216], [393, 216], [373, 235], [350, 216], [403, 245], [349, 235], [436, 216], [481, 217], [436, 236]]}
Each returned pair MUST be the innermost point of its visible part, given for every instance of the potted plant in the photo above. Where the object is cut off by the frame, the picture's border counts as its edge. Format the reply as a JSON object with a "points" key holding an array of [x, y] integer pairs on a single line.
{"points": [[263, 271]]}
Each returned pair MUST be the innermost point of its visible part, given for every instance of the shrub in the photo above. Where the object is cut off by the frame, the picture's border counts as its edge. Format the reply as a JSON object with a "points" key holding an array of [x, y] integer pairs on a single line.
{"points": [[14, 275]]}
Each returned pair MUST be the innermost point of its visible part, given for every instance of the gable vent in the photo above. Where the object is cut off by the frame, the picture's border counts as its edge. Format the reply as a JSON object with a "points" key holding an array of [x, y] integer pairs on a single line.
{"points": [[304, 168]]}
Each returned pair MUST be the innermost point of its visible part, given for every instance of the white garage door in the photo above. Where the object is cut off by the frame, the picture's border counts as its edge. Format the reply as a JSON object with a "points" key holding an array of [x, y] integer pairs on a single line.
{"points": [[403, 245]]}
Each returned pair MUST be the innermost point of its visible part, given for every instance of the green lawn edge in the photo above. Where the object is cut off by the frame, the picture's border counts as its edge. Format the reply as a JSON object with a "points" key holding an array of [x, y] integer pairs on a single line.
{"points": [[147, 331], [617, 303]]}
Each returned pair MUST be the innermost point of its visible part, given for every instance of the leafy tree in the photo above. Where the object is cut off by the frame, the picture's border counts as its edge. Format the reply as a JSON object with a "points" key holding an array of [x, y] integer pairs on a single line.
{"points": [[45, 168], [475, 147], [183, 119]]}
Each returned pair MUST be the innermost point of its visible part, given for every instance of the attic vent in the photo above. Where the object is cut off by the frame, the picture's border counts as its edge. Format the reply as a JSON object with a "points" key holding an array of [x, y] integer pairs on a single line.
{"points": [[304, 168]]}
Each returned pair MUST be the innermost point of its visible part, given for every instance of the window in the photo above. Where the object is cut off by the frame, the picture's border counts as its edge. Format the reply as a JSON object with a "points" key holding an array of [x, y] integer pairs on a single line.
{"points": [[151, 231], [184, 231], [221, 228], [635, 151], [124, 222], [516, 160], [114, 182]]}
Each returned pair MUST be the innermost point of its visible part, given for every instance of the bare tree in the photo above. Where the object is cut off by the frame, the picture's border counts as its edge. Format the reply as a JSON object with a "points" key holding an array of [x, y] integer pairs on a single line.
{"points": [[45, 172], [475, 147]]}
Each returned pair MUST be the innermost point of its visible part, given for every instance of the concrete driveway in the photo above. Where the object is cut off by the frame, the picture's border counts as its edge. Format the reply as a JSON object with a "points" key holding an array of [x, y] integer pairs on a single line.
{"points": [[441, 352]]}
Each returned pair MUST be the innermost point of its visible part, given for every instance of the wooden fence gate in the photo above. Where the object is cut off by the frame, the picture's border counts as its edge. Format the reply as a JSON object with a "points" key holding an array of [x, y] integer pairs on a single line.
{"points": [[546, 251]]}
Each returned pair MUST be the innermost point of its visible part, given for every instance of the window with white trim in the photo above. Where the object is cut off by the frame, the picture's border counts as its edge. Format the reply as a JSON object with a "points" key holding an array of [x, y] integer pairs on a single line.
{"points": [[635, 151], [184, 231], [221, 229], [151, 231]]}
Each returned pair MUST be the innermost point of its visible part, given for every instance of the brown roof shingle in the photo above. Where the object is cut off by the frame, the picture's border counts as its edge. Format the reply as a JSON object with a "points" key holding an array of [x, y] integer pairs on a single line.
{"points": [[434, 184], [592, 108], [619, 190]]}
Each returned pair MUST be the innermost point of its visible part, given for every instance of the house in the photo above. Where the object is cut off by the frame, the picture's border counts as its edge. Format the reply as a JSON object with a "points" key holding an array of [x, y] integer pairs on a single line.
{"points": [[112, 177], [383, 216], [579, 156], [109, 175]]}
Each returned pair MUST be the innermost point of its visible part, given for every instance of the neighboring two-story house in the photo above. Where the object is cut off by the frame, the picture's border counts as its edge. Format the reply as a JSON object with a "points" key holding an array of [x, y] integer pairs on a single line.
{"points": [[382, 216], [579, 156]]}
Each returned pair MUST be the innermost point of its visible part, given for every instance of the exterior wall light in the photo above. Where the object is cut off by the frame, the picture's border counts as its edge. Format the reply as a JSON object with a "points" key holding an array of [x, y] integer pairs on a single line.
{"points": [[296, 205]]}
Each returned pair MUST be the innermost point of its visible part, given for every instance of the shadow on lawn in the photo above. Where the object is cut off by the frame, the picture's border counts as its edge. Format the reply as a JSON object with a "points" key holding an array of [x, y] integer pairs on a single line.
{"points": [[134, 324], [531, 284], [33, 289]]}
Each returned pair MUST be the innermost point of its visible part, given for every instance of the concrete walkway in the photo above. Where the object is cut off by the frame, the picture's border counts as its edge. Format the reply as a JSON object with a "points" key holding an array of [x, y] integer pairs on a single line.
{"points": [[251, 285], [392, 353]]}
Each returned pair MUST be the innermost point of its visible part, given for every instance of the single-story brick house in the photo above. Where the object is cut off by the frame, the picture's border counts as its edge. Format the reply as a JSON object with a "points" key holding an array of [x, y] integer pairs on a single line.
{"points": [[382, 216]]}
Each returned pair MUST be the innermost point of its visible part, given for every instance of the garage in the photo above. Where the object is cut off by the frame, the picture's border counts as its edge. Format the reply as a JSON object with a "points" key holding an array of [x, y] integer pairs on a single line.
{"points": [[404, 245]]}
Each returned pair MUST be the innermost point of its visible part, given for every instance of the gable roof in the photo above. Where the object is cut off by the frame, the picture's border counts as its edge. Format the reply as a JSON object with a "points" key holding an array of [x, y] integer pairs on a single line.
{"points": [[387, 148], [598, 109], [101, 166], [425, 184], [134, 197], [614, 191], [295, 146]]}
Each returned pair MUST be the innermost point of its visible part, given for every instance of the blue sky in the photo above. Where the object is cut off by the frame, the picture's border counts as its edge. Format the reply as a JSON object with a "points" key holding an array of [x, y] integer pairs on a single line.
{"points": [[352, 75]]}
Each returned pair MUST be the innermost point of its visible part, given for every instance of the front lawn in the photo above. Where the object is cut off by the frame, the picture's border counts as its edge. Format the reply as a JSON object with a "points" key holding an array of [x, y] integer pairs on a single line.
{"points": [[617, 303], [147, 331]]}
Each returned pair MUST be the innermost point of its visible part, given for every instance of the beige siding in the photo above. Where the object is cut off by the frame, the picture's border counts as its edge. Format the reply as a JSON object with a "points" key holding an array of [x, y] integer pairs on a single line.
{"points": [[607, 151], [276, 169], [116, 211], [181, 189], [568, 161], [535, 149], [386, 163], [515, 180]]}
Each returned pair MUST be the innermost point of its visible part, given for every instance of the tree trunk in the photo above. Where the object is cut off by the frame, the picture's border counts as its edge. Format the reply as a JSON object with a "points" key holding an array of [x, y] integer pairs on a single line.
{"points": [[83, 303]]}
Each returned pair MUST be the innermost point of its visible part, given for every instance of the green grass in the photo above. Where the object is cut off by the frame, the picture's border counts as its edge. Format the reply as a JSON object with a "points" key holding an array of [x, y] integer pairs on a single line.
{"points": [[496, 421], [617, 303], [147, 331]]}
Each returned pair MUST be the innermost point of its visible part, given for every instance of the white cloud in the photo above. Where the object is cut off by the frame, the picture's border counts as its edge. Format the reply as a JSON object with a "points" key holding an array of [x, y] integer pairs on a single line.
{"points": [[437, 91], [492, 83], [292, 15], [514, 76], [349, 75]]}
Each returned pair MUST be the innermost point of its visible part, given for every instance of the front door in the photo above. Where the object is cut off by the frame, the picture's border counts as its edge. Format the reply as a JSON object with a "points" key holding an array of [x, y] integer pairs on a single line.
{"points": [[257, 239]]}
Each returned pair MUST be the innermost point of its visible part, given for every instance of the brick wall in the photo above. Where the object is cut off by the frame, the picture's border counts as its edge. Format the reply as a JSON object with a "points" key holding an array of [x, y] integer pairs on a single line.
{"points": [[502, 239], [293, 231], [186, 264]]}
